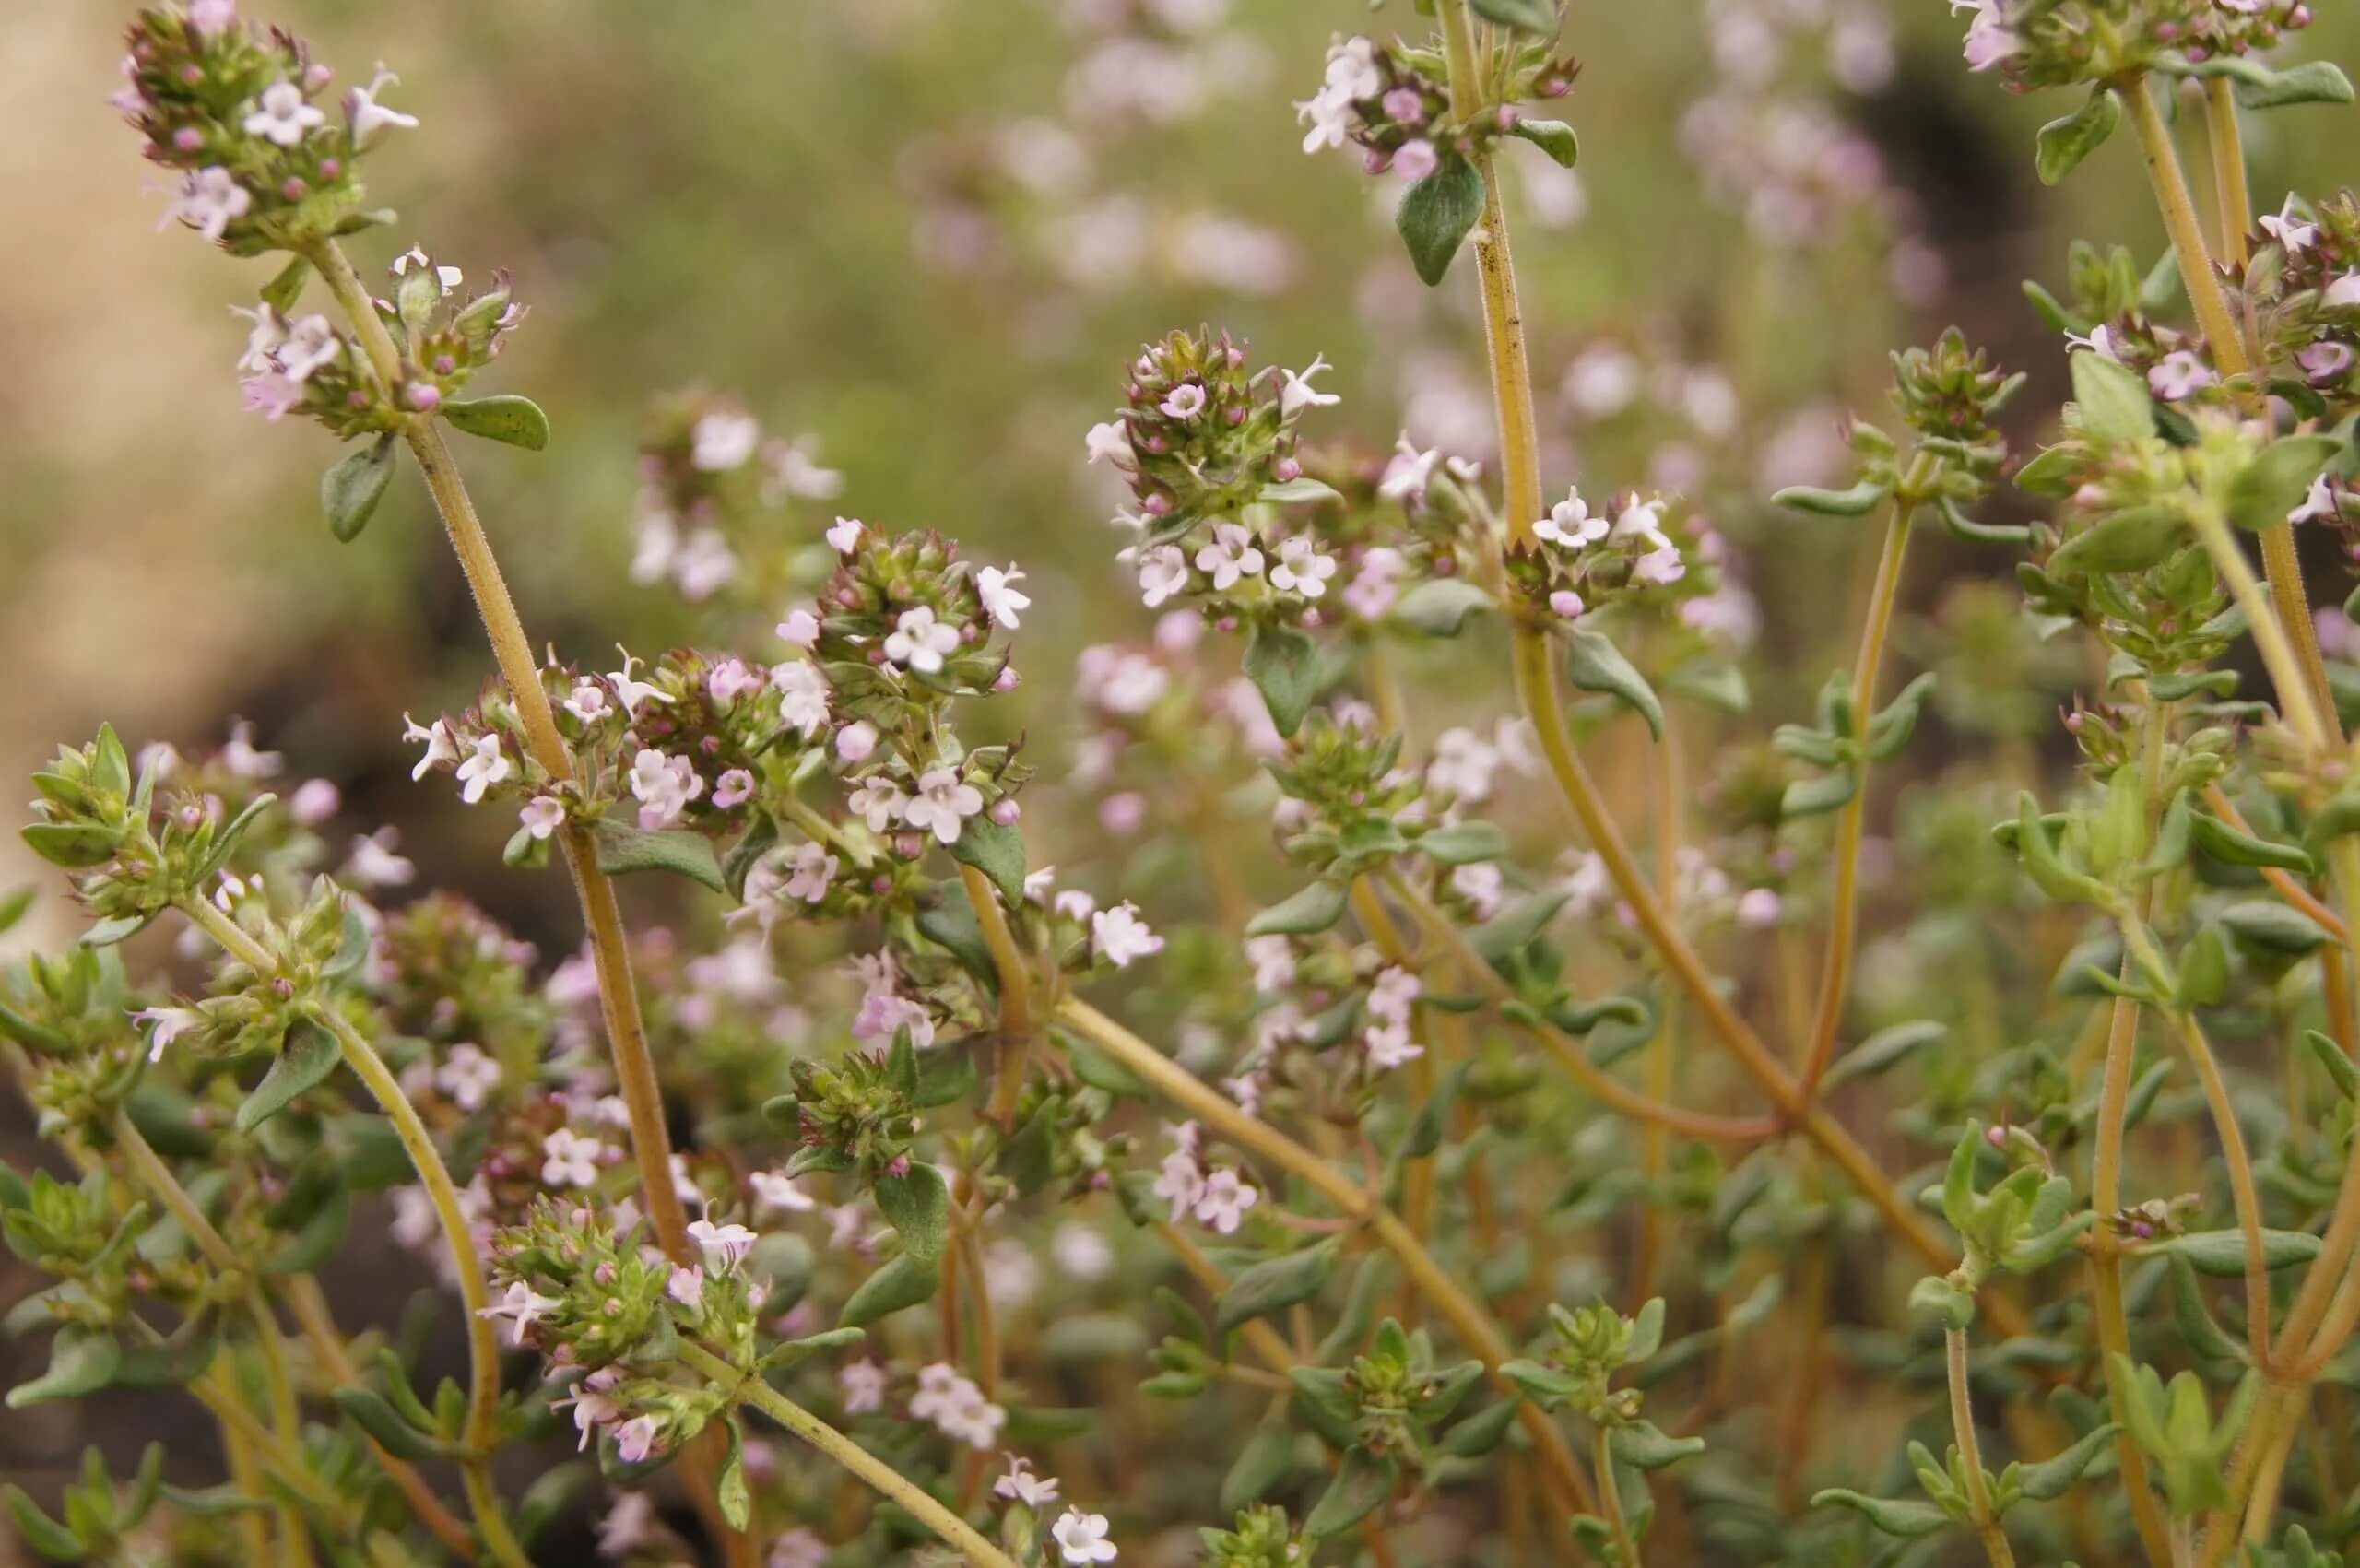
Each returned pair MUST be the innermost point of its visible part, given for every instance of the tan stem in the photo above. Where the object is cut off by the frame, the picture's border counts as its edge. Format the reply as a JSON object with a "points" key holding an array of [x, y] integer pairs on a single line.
{"points": [[2219, 328], [1986, 1524], [749, 1387], [1503, 313], [1851, 827], [2105, 1199], [482, 1430], [1015, 995]]}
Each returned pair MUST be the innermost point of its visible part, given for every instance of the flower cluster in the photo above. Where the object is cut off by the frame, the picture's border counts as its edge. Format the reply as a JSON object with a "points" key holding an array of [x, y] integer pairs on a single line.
{"points": [[2037, 45], [1390, 102], [262, 165]]}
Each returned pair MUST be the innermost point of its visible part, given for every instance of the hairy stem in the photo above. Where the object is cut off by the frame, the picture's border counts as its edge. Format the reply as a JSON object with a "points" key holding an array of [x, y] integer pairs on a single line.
{"points": [[482, 1431], [1851, 826], [1986, 1524], [1610, 1501], [1015, 995], [1503, 313], [890, 1483]]}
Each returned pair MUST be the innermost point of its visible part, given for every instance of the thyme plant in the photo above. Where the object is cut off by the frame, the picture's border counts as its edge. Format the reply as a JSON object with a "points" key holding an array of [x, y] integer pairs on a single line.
{"points": [[1504, 1190]]}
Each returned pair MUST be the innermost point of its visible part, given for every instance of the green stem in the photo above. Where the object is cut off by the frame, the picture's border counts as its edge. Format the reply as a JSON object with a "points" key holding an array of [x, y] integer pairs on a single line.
{"points": [[2272, 632], [746, 1386], [1851, 827], [2243, 1192], [2105, 1199], [1503, 313], [481, 1433], [1986, 1524], [1610, 1498], [286, 1421]]}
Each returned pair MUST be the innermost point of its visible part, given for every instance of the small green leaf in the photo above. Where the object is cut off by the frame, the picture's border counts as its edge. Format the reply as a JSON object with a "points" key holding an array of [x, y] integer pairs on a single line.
{"points": [[1363, 1483], [353, 485], [1595, 663], [2222, 1254], [1525, 16], [2052, 1479], [1274, 1285], [1294, 491], [1440, 210], [1641, 1445], [1440, 606], [1892, 1515], [998, 851], [1553, 137], [2240, 848], [1883, 1050], [1857, 501], [73, 845], [518, 422], [2127, 541], [1510, 930], [1463, 843], [918, 1207], [82, 1360], [307, 1060], [901, 1283], [623, 849], [374, 1414], [1261, 1464], [2113, 398], [1483, 1432], [2275, 484], [43, 1534], [1315, 908], [731, 1491], [2273, 929], [2258, 87], [2339, 1066], [1283, 665], [281, 292], [1821, 793], [2064, 143]]}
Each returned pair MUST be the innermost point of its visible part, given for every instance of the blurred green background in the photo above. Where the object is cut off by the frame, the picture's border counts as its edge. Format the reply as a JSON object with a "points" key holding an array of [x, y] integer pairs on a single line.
{"points": [[927, 232]]}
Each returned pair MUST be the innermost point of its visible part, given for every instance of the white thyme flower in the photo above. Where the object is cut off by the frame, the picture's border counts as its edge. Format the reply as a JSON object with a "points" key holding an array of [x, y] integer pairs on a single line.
{"points": [[367, 116], [281, 116], [919, 642]]}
